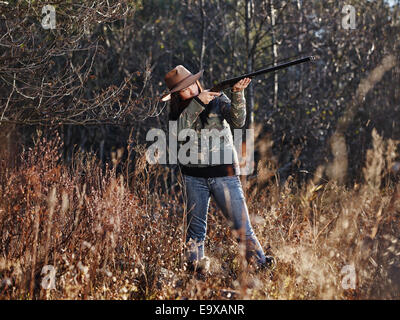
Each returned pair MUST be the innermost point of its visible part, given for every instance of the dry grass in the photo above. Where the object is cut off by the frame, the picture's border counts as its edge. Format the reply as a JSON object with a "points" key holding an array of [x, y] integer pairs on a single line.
{"points": [[110, 241]]}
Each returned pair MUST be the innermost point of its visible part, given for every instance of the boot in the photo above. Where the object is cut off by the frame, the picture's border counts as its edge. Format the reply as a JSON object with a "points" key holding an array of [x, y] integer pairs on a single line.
{"points": [[200, 267]]}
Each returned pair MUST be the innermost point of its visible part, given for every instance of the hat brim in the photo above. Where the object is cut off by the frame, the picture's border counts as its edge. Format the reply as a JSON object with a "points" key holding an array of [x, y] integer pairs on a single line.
{"points": [[182, 85], [166, 97], [187, 82]]}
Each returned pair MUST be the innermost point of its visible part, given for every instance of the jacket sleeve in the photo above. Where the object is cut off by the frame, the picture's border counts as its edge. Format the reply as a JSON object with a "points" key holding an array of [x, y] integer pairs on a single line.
{"points": [[234, 111], [190, 114]]}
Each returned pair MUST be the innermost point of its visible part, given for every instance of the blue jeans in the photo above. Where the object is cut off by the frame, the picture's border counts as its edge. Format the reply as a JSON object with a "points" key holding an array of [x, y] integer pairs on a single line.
{"points": [[228, 194]]}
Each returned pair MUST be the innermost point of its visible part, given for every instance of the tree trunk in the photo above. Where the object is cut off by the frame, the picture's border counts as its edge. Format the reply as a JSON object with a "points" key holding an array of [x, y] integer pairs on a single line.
{"points": [[299, 45], [203, 33], [274, 52], [250, 89]]}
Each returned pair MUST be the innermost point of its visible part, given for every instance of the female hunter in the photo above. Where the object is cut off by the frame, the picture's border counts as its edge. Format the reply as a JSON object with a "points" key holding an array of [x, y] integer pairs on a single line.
{"points": [[195, 109]]}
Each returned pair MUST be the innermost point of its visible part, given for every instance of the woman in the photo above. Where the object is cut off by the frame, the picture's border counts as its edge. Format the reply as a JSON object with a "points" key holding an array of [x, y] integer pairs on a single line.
{"points": [[197, 109]]}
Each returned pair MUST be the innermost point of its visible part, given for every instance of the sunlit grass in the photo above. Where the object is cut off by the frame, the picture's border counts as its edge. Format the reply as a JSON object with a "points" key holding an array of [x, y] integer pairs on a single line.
{"points": [[110, 241]]}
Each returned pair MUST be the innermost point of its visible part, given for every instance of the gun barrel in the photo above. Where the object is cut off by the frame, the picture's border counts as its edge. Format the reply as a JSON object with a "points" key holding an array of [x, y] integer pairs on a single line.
{"points": [[230, 82]]}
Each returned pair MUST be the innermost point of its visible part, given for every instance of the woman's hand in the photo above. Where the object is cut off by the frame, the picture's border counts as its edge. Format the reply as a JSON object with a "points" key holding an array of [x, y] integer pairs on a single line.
{"points": [[206, 96], [241, 85]]}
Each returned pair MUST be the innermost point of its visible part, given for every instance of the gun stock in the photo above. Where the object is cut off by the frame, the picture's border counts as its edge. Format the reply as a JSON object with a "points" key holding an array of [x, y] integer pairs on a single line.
{"points": [[230, 82]]}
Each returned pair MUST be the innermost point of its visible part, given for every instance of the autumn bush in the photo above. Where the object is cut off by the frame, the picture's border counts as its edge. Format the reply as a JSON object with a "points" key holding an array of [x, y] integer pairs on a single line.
{"points": [[118, 234]]}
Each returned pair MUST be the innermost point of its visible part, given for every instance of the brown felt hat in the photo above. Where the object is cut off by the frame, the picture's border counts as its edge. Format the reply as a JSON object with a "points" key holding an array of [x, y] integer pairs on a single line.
{"points": [[179, 78]]}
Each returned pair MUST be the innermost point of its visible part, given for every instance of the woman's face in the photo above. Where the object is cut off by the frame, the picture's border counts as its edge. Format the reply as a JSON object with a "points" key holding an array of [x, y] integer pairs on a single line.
{"points": [[189, 92]]}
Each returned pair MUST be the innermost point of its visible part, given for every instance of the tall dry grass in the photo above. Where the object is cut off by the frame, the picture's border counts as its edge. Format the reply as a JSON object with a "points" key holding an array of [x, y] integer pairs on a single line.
{"points": [[113, 235]]}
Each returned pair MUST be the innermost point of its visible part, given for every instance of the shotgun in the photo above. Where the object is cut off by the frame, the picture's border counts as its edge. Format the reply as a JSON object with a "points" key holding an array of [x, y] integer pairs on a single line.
{"points": [[230, 82]]}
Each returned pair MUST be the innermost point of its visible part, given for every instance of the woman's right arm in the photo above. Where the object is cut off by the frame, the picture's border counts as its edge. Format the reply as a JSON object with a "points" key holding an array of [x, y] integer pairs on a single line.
{"points": [[189, 115]]}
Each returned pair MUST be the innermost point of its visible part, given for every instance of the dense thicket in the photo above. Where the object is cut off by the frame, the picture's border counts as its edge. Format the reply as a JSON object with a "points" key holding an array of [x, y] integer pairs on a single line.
{"points": [[97, 78], [99, 74]]}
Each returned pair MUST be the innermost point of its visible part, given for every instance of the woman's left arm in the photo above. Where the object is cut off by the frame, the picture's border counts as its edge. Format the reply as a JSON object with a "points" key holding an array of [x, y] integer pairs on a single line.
{"points": [[235, 112]]}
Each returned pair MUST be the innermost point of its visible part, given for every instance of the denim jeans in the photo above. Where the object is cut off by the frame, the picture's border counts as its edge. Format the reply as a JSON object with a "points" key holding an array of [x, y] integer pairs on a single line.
{"points": [[228, 194]]}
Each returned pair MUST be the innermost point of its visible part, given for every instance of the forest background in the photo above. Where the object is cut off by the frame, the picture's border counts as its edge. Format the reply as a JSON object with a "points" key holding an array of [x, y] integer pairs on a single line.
{"points": [[77, 101]]}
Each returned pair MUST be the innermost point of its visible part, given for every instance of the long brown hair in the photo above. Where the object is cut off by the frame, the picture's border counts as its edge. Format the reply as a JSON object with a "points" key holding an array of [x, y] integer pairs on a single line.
{"points": [[177, 105]]}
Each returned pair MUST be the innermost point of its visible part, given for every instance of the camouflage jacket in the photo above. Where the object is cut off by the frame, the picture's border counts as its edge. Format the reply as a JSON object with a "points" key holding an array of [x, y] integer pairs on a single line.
{"points": [[222, 114]]}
